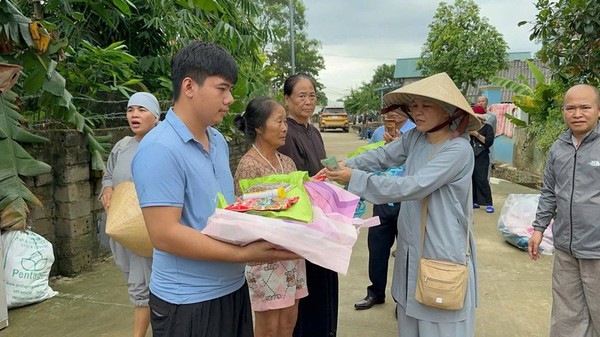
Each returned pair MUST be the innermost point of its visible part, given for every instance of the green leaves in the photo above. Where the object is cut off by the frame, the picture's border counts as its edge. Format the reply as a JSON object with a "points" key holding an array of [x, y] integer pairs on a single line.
{"points": [[14, 26], [99, 72], [364, 98], [541, 103], [15, 161], [368, 96], [272, 22], [94, 55], [517, 122], [308, 59], [463, 44], [568, 31], [103, 50], [517, 87], [124, 6]]}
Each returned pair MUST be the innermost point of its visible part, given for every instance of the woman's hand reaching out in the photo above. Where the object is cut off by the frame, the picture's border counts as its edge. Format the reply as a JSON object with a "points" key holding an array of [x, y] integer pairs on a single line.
{"points": [[341, 176]]}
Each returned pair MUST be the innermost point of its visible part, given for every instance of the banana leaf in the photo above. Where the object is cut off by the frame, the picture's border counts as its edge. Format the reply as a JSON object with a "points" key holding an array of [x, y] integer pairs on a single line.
{"points": [[15, 162], [516, 121], [518, 88]]}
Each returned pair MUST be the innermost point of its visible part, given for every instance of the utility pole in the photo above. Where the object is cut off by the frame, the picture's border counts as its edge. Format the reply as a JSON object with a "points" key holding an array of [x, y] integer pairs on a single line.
{"points": [[292, 44]]}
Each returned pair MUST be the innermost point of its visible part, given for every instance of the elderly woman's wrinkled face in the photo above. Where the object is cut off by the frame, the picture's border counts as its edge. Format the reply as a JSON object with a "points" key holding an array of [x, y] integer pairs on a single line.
{"points": [[427, 114], [301, 103], [275, 128]]}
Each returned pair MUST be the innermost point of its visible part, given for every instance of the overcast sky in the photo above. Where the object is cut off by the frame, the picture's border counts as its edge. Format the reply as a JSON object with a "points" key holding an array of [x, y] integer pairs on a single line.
{"points": [[359, 35]]}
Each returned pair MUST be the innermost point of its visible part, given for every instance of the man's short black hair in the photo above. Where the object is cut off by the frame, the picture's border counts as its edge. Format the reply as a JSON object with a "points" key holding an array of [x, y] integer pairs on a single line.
{"points": [[199, 60]]}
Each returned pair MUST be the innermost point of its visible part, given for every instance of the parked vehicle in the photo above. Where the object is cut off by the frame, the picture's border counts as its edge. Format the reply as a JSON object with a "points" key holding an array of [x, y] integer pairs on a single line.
{"points": [[333, 118]]}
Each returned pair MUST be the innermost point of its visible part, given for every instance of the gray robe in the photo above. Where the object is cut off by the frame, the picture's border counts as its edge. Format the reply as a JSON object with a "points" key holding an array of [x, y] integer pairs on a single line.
{"points": [[136, 268], [444, 173]]}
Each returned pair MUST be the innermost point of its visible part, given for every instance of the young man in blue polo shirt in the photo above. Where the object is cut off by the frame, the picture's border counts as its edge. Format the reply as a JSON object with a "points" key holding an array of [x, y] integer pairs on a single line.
{"points": [[197, 287]]}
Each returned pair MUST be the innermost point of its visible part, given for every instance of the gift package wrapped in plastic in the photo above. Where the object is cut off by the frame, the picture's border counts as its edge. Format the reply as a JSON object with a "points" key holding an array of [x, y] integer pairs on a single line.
{"points": [[326, 240], [294, 187], [515, 222]]}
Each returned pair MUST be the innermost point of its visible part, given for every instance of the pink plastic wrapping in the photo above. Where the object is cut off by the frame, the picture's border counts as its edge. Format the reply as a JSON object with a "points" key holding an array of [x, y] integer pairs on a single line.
{"points": [[326, 241]]}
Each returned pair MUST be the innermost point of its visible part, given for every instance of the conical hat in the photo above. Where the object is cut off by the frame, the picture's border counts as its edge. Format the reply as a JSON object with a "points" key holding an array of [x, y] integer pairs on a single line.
{"points": [[125, 223], [438, 87]]}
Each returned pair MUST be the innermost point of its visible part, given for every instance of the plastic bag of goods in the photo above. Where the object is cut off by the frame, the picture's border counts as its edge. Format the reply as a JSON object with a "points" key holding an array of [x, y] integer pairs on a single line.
{"points": [[516, 219]]}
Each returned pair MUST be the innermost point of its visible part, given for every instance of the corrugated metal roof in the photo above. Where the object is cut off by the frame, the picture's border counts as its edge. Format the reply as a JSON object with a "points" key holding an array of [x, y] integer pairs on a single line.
{"points": [[406, 68], [515, 68], [406, 71]]}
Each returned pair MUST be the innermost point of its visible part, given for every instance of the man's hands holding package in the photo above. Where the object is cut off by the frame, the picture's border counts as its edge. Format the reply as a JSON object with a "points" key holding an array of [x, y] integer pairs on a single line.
{"points": [[263, 251]]}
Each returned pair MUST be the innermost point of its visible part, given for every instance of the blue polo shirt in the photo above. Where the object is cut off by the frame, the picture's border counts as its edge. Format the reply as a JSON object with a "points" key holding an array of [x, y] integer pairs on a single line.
{"points": [[170, 168]]}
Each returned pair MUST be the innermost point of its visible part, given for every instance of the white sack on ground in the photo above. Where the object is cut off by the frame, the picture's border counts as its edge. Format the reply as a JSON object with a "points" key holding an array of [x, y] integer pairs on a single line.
{"points": [[28, 258]]}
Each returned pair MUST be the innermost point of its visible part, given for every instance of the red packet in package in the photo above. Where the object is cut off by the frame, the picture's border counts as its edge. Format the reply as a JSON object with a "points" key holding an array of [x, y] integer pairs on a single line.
{"points": [[318, 177], [262, 204]]}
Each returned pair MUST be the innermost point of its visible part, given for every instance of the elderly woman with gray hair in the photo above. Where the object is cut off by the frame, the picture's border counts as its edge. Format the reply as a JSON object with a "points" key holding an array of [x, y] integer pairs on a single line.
{"points": [[435, 219], [143, 113]]}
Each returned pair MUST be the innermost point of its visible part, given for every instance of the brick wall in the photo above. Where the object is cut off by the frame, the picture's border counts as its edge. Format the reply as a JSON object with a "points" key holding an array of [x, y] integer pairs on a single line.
{"points": [[69, 195]]}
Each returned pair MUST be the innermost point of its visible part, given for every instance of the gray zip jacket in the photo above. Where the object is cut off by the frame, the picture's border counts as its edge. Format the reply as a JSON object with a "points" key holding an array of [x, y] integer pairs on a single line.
{"points": [[571, 195]]}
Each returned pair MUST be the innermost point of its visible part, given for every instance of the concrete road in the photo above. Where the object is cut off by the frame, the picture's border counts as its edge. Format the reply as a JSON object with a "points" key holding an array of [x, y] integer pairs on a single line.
{"points": [[514, 293]]}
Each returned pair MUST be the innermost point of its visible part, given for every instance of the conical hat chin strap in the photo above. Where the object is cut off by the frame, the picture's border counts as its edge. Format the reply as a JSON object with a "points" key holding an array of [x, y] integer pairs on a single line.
{"points": [[460, 129], [462, 125]]}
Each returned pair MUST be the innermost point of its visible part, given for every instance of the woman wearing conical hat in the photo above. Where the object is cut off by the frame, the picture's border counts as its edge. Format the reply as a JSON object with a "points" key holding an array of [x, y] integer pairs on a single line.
{"points": [[439, 162]]}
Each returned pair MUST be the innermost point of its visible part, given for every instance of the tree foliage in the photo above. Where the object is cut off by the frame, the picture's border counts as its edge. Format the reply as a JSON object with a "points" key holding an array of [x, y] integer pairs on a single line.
{"points": [[570, 34], [308, 59], [22, 43], [16, 162], [107, 49], [274, 16], [99, 50], [153, 30], [463, 44], [367, 97], [384, 75], [362, 99], [542, 103]]}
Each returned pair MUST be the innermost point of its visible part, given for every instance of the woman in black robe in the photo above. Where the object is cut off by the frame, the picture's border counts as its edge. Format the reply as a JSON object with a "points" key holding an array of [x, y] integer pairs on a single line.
{"points": [[482, 140], [318, 312]]}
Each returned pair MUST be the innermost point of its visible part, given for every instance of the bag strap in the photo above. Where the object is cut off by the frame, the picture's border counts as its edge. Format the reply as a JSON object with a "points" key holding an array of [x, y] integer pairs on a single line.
{"points": [[424, 214], [424, 220]]}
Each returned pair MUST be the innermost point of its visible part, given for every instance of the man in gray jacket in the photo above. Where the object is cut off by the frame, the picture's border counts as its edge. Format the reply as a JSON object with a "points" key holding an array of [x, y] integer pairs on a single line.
{"points": [[571, 195]]}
